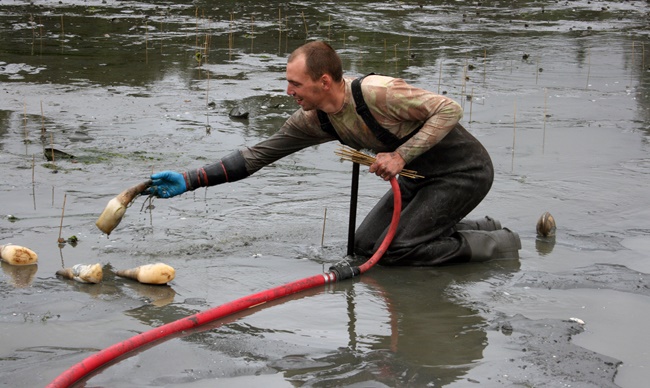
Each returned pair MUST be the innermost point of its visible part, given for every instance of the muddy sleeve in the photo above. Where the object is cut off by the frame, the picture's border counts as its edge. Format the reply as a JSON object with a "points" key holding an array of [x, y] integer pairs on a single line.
{"points": [[230, 168], [300, 131]]}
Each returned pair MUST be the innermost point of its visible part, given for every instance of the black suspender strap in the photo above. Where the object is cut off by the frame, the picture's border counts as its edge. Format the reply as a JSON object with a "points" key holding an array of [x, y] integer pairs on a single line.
{"points": [[326, 125], [382, 134]]}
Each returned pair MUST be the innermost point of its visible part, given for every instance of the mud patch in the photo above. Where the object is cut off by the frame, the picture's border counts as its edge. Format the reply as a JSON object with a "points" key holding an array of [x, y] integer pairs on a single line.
{"points": [[541, 355], [598, 276]]}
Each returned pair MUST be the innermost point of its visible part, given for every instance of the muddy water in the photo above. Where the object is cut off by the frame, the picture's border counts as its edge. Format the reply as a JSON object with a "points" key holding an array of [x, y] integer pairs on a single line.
{"points": [[557, 92]]}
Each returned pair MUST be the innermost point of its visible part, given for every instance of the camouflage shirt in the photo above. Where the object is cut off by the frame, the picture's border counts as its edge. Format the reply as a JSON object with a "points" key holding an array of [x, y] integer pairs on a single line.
{"points": [[395, 105]]}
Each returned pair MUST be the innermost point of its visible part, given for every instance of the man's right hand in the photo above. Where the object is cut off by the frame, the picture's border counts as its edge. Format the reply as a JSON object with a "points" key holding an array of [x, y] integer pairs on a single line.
{"points": [[387, 165], [166, 184]]}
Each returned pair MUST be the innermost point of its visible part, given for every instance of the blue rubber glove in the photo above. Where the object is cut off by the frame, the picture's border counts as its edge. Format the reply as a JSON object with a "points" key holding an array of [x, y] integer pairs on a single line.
{"points": [[167, 184]]}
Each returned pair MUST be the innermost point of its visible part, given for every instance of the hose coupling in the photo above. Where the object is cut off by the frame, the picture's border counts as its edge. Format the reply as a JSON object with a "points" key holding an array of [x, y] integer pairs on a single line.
{"points": [[343, 270]]}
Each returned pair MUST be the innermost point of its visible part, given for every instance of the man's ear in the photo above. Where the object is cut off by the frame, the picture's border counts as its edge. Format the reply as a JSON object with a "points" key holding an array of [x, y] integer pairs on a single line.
{"points": [[326, 81]]}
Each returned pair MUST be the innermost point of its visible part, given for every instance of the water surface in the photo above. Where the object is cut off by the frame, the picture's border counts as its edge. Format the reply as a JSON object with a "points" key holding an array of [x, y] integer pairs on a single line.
{"points": [[556, 91]]}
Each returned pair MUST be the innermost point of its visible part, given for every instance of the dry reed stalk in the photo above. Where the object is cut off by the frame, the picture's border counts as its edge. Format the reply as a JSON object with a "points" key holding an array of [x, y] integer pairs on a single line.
{"points": [[42, 119], [463, 88], [252, 31], [31, 22], [352, 155], [279, 30], [514, 135], [196, 26], [408, 50], [471, 102], [545, 114], [207, 74], [161, 36], [329, 28], [62, 33], [40, 36], [304, 21], [439, 76], [33, 181], [208, 43], [286, 36], [52, 147], [146, 43], [26, 132], [60, 240], [588, 67], [322, 238], [230, 36], [484, 65]]}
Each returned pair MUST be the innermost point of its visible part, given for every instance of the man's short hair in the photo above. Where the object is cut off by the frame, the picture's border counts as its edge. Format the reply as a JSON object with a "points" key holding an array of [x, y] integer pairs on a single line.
{"points": [[320, 58]]}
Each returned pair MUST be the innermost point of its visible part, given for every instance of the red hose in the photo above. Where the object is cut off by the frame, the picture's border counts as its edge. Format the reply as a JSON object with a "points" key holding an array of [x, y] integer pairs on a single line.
{"points": [[392, 229], [91, 363]]}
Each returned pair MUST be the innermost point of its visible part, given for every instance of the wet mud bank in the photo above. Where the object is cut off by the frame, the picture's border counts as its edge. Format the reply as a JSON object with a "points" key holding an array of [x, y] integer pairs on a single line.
{"points": [[548, 357], [95, 95], [541, 352]]}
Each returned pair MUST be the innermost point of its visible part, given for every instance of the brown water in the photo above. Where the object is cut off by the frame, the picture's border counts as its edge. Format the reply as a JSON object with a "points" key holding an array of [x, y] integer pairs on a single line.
{"points": [[557, 92]]}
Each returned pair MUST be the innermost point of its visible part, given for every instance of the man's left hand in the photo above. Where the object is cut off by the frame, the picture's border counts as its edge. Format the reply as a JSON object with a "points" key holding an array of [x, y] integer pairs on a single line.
{"points": [[387, 165]]}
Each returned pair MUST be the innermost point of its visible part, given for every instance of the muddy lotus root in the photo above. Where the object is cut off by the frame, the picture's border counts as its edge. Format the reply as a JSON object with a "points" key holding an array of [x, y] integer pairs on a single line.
{"points": [[116, 207], [17, 255], [83, 273], [158, 273]]}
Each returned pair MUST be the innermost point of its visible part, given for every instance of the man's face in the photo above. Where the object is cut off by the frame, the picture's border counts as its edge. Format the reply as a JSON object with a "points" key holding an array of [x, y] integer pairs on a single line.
{"points": [[306, 92]]}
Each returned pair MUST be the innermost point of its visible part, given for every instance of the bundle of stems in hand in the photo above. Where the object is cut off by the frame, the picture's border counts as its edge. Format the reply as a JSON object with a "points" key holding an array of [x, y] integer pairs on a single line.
{"points": [[347, 153]]}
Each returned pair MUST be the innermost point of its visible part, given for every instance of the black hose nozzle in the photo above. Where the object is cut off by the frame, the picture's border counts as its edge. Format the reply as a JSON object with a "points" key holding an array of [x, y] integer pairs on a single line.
{"points": [[344, 270]]}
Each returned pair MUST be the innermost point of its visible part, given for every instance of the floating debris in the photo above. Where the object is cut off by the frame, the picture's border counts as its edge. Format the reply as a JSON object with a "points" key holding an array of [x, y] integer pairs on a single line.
{"points": [[578, 321], [52, 154], [238, 113]]}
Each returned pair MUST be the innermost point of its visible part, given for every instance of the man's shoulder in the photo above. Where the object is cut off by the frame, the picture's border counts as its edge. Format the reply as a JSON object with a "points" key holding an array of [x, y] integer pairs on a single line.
{"points": [[380, 81], [370, 78]]}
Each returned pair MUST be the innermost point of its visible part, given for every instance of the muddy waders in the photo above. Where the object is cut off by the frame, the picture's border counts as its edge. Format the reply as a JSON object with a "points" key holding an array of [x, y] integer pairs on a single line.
{"points": [[484, 245], [484, 240], [485, 223], [433, 231]]}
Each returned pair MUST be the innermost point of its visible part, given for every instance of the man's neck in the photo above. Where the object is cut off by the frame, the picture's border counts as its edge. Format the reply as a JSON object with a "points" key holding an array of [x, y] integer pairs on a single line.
{"points": [[336, 100]]}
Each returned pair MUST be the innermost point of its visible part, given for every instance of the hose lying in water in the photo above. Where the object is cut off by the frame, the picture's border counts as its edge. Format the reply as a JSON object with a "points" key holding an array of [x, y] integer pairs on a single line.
{"points": [[337, 272]]}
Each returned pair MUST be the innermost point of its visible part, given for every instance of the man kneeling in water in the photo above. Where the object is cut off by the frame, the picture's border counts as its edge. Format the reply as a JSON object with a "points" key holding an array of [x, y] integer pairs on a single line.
{"points": [[406, 127]]}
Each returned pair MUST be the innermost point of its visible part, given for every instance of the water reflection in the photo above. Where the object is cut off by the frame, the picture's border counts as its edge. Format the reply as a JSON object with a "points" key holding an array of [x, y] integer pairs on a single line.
{"points": [[154, 295], [544, 245], [419, 336], [20, 276], [113, 287]]}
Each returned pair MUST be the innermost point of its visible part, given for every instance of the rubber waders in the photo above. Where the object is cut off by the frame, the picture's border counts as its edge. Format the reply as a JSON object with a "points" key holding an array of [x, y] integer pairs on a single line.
{"points": [[496, 244]]}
